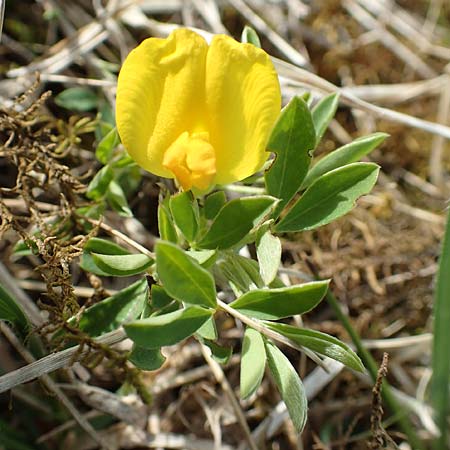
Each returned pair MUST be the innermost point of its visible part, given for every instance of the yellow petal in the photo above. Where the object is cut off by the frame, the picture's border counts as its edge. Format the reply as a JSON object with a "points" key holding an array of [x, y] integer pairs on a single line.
{"points": [[191, 158], [160, 95], [243, 99]]}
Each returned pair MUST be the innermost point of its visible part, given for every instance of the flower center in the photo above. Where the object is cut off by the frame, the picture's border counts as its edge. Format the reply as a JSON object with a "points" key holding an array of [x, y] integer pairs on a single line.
{"points": [[192, 159]]}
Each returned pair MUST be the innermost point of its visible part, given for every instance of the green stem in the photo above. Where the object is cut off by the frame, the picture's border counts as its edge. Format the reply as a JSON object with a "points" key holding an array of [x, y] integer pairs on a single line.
{"points": [[441, 355], [372, 368]]}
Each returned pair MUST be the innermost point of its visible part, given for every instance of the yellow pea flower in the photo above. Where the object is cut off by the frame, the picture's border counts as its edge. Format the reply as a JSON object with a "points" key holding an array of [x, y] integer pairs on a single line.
{"points": [[201, 114]]}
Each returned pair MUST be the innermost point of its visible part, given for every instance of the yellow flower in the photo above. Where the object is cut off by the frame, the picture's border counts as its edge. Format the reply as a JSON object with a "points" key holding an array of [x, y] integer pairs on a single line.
{"points": [[201, 114]]}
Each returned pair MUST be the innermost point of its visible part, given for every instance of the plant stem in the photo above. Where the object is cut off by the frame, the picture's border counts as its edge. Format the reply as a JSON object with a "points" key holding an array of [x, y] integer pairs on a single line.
{"points": [[441, 355], [258, 326]]}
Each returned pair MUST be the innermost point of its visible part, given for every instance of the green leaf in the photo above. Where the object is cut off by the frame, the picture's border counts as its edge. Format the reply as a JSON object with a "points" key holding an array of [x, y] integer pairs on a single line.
{"points": [[441, 356], [214, 203], [320, 343], [166, 226], [99, 184], [185, 215], [292, 140], [330, 197], [106, 146], [253, 362], [205, 258], [268, 252], [241, 273], [11, 312], [347, 154], [160, 298], [79, 99], [146, 358], [274, 304], [323, 112], [167, 329], [221, 354], [208, 330], [103, 246], [289, 384], [117, 199], [122, 265], [183, 278], [98, 245], [235, 220], [112, 312], [249, 36]]}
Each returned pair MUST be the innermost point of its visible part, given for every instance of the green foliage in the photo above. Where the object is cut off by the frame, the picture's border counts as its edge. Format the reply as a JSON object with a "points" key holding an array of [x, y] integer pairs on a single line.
{"points": [[289, 384], [292, 140], [146, 358], [185, 214], [11, 312], [322, 114], [441, 357], [113, 311], [183, 277], [213, 204], [320, 343], [166, 224], [268, 252], [235, 220], [253, 362], [274, 304], [167, 329], [331, 196], [79, 99], [221, 354], [249, 36], [122, 265], [106, 146], [347, 154]]}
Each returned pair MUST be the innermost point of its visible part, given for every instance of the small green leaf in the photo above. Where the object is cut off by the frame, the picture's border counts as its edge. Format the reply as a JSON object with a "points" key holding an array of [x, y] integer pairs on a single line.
{"points": [[347, 154], [98, 245], [292, 140], [290, 386], [166, 226], [208, 330], [11, 312], [106, 146], [320, 343], [235, 220], [117, 199], [330, 197], [214, 203], [274, 304], [146, 358], [167, 329], [103, 246], [249, 36], [185, 215], [323, 112], [183, 278], [99, 185], [205, 258], [79, 99], [122, 265], [221, 354], [160, 298], [241, 273], [113, 311], [253, 362], [268, 252]]}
